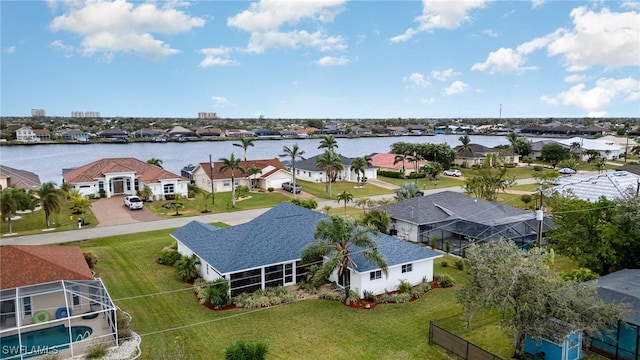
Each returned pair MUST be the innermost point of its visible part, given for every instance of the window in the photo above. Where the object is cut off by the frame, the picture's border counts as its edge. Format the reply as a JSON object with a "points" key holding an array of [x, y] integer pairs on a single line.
{"points": [[26, 306], [136, 184], [226, 183], [375, 275], [407, 268], [100, 185], [168, 188], [128, 184]]}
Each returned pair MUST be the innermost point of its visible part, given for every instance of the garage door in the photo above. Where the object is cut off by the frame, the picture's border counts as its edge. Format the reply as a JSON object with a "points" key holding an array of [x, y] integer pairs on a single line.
{"points": [[277, 183]]}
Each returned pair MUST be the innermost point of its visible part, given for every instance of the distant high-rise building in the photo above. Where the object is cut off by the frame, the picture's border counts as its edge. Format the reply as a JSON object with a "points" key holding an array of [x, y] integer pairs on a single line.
{"points": [[77, 114], [85, 114], [38, 112], [207, 115]]}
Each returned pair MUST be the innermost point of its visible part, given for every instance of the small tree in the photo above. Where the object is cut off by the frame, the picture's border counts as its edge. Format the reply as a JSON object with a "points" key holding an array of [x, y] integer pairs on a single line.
{"points": [[186, 267], [346, 198]]}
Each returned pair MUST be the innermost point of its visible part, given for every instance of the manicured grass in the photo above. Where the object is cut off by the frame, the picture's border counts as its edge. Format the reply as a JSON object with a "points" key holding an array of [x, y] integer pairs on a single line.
{"points": [[319, 189], [173, 324], [424, 184], [196, 206], [34, 222], [520, 172], [526, 187]]}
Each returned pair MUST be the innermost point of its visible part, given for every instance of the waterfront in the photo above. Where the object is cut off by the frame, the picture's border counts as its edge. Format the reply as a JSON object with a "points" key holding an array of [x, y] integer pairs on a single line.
{"points": [[48, 160]]}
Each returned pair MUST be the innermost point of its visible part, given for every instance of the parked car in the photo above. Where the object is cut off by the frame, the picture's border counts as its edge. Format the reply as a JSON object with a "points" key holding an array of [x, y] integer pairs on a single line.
{"points": [[290, 187], [453, 172], [133, 202], [567, 171]]}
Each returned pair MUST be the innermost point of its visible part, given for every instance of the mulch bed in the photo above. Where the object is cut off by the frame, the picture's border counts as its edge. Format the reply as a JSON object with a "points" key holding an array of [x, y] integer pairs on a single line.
{"points": [[361, 304]]}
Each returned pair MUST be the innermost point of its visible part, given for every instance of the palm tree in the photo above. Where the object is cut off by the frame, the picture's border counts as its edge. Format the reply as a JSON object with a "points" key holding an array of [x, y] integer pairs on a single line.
{"points": [[186, 267], [465, 149], [336, 239], [331, 163], [576, 148], [50, 199], [364, 202], [385, 203], [232, 164], [326, 209], [252, 172], [155, 162], [245, 142], [359, 165], [407, 191], [377, 218], [293, 153], [513, 142], [9, 205], [328, 142], [401, 158], [346, 197]]}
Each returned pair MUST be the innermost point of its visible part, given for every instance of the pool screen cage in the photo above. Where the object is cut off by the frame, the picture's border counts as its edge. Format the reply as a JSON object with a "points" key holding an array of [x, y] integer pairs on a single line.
{"points": [[60, 317]]}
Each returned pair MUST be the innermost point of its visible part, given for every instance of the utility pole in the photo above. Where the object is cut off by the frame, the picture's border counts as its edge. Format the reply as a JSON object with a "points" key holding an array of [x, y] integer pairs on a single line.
{"points": [[626, 148], [213, 197], [540, 219]]}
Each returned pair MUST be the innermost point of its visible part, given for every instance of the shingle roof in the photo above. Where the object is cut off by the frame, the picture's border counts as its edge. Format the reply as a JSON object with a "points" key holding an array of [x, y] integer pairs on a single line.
{"points": [[277, 236], [22, 179], [449, 205], [146, 172], [22, 265], [622, 286], [261, 164], [310, 163], [612, 185]]}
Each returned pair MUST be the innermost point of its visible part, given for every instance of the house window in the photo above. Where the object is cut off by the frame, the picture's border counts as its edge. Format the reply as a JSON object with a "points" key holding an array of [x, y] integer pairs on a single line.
{"points": [[207, 269], [407, 268], [168, 188], [375, 275], [128, 184], [100, 186], [26, 306], [136, 184], [226, 183]]}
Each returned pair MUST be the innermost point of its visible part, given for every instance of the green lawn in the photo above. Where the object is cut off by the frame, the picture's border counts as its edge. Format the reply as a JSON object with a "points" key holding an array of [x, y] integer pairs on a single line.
{"points": [[424, 184], [173, 322], [520, 172], [526, 187], [319, 189], [34, 222]]}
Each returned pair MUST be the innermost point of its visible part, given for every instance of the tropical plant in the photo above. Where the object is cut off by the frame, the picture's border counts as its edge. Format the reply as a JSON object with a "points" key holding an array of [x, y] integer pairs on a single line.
{"points": [[465, 150], [401, 158], [337, 238], [246, 351], [328, 142], [232, 164], [186, 267], [251, 173], [407, 191], [331, 163], [245, 143], [513, 142], [489, 181], [378, 219], [359, 166], [9, 205], [155, 162], [346, 198], [175, 204], [554, 153], [293, 153], [216, 293], [385, 203], [364, 202], [326, 209], [146, 193], [80, 204], [50, 200]]}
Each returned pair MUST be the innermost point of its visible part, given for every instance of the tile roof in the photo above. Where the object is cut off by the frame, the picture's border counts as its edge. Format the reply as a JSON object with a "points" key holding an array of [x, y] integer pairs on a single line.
{"points": [[146, 172], [22, 179], [261, 164], [277, 236], [385, 160], [23, 265], [612, 185]]}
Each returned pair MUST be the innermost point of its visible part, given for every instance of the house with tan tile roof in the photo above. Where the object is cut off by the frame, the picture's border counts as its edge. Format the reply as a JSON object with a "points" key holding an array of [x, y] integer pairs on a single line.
{"points": [[125, 176], [273, 175], [385, 161], [21, 179], [51, 301]]}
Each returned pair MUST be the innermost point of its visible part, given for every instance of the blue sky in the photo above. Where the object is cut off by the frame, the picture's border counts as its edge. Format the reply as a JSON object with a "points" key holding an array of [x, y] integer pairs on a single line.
{"points": [[322, 58]]}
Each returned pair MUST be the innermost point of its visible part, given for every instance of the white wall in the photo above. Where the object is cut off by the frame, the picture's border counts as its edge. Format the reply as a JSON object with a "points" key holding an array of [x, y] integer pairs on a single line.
{"points": [[406, 231], [422, 269]]}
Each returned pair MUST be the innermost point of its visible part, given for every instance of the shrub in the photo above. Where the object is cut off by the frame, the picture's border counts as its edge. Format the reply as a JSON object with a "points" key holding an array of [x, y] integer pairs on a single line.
{"points": [[123, 321], [90, 258], [509, 165], [264, 298], [331, 295], [459, 264], [215, 293], [433, 240], [537, 168], [579, 275], [369, 296], [447, 246], [390, 174], [270, 189], [170, 257], [444, 263], [243, 351], [97, 350], [385, 298], [445, 281], [401, 298], [305, 203], [353, 297], [242, 191], [404, 286]]}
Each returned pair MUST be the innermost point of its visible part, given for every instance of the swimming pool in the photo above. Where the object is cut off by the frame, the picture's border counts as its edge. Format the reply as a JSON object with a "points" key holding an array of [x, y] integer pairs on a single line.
{"points": [[42, 341]]}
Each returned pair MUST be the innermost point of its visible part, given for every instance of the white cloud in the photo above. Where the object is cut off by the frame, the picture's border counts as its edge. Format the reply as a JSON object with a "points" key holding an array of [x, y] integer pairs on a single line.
{"points": [[444, 75], [490, 33], [265, 19], [417, 80], [601, 38], [333, 61], [575, 78], [438, 14], [67, 50], [428, 101], [10, 49], [120, 26], [219, 101], [537, 3], [216, 57], [594, 100], [633, 5], [504, 60], [456, 87]]}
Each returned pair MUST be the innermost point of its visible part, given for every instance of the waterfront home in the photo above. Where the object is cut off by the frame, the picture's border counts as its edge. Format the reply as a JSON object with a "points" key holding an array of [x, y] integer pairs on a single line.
{"points": [[272, 174], [208, 132], [476, 155], [26, 135], [387, 162], [308, 170]]}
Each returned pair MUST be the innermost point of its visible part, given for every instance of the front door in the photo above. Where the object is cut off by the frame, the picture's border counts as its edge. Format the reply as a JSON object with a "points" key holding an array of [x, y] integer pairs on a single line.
{"points": [[118, 186]]}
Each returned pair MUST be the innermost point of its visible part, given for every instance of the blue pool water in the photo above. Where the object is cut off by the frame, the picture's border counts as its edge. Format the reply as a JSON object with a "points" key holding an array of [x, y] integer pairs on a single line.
{"points": [[43, 341]]}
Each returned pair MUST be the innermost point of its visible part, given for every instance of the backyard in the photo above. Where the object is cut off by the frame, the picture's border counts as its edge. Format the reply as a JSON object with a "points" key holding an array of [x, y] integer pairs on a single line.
{"points": [[319, 189]]}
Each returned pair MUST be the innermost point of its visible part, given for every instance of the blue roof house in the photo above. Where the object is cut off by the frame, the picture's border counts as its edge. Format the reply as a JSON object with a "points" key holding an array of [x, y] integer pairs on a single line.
{"points": [[267, 252]]}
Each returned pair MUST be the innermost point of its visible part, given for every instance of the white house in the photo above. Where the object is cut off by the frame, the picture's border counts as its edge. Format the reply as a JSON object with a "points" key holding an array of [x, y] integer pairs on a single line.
{"points": [[308, 170], [272, 174], [611, 185], [607, 149], [267, 252], [26, 134], [125, 176]]}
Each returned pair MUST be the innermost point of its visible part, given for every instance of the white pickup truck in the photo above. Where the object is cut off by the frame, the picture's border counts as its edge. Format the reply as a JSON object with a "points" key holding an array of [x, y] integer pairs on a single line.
{"points": [[133, 202]]}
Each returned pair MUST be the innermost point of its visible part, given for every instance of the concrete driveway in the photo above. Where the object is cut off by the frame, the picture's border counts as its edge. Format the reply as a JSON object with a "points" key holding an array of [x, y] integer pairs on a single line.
{"points": [[111, 211]]}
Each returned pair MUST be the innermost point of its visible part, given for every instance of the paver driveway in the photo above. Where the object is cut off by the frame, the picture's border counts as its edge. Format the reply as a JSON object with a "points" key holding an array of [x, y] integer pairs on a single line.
{"points": [[111, 211]]}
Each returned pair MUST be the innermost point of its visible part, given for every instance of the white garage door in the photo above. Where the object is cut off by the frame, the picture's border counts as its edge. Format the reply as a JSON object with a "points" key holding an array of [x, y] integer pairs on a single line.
{"points": [[277, 183]]}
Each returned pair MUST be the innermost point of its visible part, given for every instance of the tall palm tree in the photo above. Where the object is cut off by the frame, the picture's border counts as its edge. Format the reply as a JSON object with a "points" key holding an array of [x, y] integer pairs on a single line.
{"points": [[232, 164], [359, 166], [347, 198], [465, 149], [328, 142], [513, 142], [252, 172], [9, 205], [401, 158], [245, 142], [385, 203], [331, 163], [155, 162], [364, 202], [50, 200], [338, 239], [293, 153]]}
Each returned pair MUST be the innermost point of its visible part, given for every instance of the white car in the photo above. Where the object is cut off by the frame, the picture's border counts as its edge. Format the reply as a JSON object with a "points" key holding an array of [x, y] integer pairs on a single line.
{"points": [[453, 172], [567, 171], [133, 202]]}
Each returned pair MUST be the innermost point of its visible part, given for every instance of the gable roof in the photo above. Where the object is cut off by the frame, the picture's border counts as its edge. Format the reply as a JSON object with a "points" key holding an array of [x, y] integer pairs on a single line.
{"points": [[23, 265], [476, 150], [279, 235], [385, 160], [146, 172], [612, 185], [449, 205], [622, 286], [310, 163], [261, 164], [22, 179]]}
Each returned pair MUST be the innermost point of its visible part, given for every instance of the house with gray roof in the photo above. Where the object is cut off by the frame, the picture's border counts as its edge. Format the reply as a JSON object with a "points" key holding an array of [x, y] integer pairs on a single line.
{"points": [[308, 170], [459, 220], [611, 185], [21, 179], [267, 251]]}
